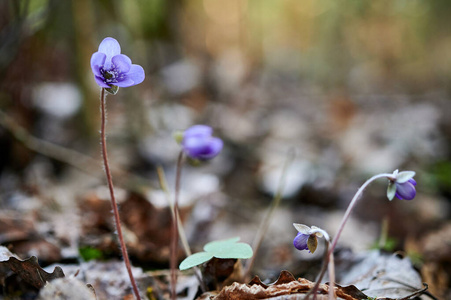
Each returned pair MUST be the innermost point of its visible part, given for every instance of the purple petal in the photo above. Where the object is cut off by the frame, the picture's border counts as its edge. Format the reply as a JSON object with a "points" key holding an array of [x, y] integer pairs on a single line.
{"points": [[100, 82], [300, 241], [122, 63], [198, 130], [214, 147], [97, 61], [110, 47], [194, 146], [136, 74], [126, 82], [405, 191], [412, 181]]}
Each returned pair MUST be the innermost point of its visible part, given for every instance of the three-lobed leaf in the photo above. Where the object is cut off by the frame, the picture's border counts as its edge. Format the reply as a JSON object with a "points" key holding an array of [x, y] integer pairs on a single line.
{"points": [[224, 249]]}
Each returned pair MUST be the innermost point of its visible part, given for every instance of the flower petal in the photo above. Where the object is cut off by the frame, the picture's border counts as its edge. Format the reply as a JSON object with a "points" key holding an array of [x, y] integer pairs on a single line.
{"points": [[304, 229], [405, 191], [391, 190], [97, 61], [198, 130], [195, 146], [100, 82], [110, 47], [126, 82], [136, 74], [214, 147], [404, 176], [122, 63], [300, 241]]}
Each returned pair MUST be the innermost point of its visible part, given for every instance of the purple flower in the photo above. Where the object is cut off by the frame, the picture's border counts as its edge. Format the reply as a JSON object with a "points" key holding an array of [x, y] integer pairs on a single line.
{"points": [[306, 239], [198, 142], [406, 190], [113, 69], [300, 241], [401, 185]]}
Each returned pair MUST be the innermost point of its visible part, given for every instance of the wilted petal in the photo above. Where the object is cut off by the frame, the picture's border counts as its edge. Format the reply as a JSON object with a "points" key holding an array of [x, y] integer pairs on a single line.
{"points": [[122, 63], [312, 243], [302, 228], [97, 61], [404, 176]]}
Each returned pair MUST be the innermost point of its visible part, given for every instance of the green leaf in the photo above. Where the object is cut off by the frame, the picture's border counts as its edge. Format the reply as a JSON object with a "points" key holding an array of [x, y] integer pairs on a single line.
{"points": [[391, 191], [112, 90], [220, 249], [195, 259], [404, 176], [212, 246], [229, 249]]}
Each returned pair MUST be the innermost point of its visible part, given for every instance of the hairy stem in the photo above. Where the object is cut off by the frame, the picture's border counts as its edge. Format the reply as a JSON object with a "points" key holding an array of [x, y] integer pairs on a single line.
{"points": [[329, 254], [351, 206], [174, 237], [113, 199], [181, 231]]}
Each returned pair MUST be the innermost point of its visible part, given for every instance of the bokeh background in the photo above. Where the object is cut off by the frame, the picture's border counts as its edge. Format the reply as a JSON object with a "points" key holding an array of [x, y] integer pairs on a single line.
{"points": [[352, 88]]}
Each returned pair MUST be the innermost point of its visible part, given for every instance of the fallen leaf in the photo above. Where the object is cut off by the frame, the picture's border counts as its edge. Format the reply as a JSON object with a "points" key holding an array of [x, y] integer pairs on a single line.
{"points": [[29, 269], [287, 287]]}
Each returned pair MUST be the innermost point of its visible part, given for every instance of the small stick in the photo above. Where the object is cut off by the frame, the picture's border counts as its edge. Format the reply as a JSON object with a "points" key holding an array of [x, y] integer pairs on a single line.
{"points": [[266, 220]]}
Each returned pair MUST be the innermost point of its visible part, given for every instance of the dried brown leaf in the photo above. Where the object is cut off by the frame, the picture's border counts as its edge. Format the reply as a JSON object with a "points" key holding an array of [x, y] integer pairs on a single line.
{"points": [[29, 269], [286, 286]]}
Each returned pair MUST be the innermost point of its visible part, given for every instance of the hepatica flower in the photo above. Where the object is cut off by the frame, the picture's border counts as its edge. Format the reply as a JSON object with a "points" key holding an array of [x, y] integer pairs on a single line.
{"points": [[198, 142], [112, 69], [401, 185], [306, 239]]}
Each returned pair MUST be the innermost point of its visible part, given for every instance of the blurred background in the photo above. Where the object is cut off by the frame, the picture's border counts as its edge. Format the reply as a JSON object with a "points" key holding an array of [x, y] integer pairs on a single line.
{"points": [[353, 88]]}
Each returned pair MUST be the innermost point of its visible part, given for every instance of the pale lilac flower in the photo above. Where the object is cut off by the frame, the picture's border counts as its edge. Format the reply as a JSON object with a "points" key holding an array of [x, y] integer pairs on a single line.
{"points": [[198, 142], [306, 239], [406, 190], [113, 69], [402, 185]]}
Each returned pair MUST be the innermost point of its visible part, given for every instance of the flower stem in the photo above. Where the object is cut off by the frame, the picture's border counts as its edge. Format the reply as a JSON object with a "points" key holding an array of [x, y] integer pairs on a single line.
{"points": [[351, 206], [174, 237], [113, 199], [329, 257], [181, 231]]}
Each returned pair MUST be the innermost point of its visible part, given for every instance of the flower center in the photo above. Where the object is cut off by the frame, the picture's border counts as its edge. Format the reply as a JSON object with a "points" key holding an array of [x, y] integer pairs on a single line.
{"points": [[111, 76]]}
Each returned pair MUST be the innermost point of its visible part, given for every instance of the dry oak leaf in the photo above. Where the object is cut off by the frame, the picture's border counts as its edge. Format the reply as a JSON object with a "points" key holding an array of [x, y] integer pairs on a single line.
{"points": [[287, 287], [29, 269]]}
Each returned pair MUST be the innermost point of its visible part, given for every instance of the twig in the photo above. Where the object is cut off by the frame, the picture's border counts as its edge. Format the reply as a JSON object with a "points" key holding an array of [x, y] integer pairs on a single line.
{"points": [[266, 220]]}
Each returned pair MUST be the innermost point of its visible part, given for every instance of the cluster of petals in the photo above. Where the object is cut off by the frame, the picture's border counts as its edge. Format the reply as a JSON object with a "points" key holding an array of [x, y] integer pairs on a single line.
{"points": [[402, 185], [306, 239], [198, 142], [111, 68]]}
